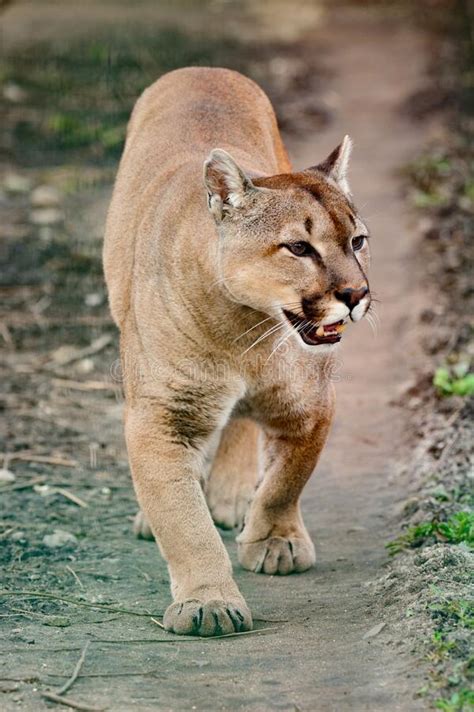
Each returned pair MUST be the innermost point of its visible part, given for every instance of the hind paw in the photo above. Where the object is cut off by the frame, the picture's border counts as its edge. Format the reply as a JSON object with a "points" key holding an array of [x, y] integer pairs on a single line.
{"points": [[141, 528]]}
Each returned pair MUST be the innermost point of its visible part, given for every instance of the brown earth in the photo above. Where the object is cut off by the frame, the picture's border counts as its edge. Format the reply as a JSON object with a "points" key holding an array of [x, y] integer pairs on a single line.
{"points": [[316, 655]]}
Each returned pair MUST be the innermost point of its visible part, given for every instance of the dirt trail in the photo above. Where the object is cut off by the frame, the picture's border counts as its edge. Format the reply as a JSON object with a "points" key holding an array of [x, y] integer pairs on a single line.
{"points": [[316, 657]]}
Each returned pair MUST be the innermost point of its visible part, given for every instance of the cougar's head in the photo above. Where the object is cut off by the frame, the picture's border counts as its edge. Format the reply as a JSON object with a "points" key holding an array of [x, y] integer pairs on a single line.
{"points": [[292, 245]]}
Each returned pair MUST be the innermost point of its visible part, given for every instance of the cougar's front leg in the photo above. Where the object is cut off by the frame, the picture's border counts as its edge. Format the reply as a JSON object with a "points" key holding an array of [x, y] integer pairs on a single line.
{"points": [[275, 539], [167, 472]]}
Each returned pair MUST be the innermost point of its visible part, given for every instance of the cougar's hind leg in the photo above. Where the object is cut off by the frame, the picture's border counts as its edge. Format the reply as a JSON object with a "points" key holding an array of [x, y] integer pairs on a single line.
{"points": [[234, 473]]}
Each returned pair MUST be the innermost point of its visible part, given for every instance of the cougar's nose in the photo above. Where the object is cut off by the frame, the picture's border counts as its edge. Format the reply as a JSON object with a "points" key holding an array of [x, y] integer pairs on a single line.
{"points": [[351, 297]]}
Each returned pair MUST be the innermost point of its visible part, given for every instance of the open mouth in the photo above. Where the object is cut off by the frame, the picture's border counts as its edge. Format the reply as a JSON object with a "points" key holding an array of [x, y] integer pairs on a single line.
{"points": [[312, 334]]}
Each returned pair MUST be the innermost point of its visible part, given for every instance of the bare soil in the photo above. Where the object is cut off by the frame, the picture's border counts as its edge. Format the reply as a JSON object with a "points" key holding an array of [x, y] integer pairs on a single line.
{"points": [[320, 649]]}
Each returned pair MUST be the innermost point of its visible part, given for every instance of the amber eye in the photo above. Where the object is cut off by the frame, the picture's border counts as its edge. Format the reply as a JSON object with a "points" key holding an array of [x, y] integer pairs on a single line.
{"points": [[358, 242], [300, 249]]}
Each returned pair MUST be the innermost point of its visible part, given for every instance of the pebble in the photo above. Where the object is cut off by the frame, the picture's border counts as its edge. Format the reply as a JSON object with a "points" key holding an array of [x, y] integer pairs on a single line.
{"points": [[14, 93], [64, 354], [6, 476], [46, 216], [15, 183], [59, 538], [18, 536], [95, 299], [45, 196], [85, 365], [374, 631]]}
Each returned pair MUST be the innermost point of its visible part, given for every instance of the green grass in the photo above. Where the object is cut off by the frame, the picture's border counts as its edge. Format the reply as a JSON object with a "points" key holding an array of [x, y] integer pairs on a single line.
{"points": [[460, 701], [459, 612], [80, 94], [454, 382], [457, 529]]}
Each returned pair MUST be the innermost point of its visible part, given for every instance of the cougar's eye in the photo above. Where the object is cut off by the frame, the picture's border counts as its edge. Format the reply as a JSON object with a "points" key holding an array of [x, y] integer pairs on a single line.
{"points": [[358, 242], [300, 249]]}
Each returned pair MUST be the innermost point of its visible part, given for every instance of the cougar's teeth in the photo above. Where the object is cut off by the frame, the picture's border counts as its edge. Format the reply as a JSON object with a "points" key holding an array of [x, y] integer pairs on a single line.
{"points": [[340, 328], [320, 331]]}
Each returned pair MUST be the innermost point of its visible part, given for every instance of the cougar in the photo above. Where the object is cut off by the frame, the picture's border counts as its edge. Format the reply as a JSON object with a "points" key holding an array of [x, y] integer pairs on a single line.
{"points": [[231, 278]]}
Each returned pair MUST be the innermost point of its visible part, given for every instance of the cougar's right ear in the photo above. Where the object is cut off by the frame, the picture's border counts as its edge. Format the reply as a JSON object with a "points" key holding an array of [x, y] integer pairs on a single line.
{"points": [[227, 185]]}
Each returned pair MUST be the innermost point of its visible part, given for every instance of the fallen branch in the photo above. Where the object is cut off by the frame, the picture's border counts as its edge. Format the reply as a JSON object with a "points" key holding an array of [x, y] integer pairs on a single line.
{"points": [[26, 456], [25, 485], [138, 673], [97, 345], [84, 385], [74, 575], [69, 495], [158, 623], [58, 695], [71, 703], [69, 683], [84, 604], [177, 639]]}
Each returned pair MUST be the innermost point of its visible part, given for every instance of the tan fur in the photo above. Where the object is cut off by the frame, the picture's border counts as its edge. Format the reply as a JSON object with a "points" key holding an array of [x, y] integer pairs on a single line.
{"points": [[194, 292]]}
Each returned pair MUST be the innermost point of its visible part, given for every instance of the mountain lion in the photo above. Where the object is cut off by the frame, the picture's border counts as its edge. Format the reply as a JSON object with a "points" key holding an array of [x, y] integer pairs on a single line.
{"points": [[230, 295]]}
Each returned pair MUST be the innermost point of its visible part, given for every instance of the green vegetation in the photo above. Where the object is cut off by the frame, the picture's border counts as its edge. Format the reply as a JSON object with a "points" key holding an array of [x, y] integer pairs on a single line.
{"points": [[454, 611], [461, 701], [455, 381], [457, 529], [79, 96], [441, 179]]}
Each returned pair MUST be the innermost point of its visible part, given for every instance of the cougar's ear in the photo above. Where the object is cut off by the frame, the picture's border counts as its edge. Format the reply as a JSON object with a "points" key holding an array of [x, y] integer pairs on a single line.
{"points": [[336, 164], [227, 185]]}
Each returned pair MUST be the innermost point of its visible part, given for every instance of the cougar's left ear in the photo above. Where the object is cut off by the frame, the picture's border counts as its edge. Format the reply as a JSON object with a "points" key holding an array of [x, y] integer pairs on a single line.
{"points": [[336, 164], [227, 185]]}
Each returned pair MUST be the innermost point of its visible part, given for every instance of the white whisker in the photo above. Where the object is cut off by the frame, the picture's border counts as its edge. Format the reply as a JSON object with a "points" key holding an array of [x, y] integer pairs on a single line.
{"points": [[372, 324], [254, 327], [280, 343], [221, 280], [270, 331]]}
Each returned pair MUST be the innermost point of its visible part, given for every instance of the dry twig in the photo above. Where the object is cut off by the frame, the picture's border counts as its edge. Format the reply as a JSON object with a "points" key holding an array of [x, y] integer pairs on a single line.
{"points": [[27, 456], [71, 703], [69, 683], [84, 385], [84, 604], [69, 495], [58, 695]]}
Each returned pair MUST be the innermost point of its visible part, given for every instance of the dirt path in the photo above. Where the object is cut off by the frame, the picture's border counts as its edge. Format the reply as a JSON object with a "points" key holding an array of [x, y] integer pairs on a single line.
{"points": [[315, 657]]}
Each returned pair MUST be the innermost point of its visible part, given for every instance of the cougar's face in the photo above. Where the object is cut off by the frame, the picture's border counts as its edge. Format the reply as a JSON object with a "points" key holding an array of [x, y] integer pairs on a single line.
{"points": [[295, 248]]}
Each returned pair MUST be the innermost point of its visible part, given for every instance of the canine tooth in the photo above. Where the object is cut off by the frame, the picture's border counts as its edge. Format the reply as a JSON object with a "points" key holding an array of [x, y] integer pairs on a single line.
{"points": [[340, 328], [320, 331]]}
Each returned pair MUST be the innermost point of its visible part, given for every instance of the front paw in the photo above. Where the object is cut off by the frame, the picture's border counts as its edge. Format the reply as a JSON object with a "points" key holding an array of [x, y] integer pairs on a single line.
{"points": [[195, 617], [277, 555]]}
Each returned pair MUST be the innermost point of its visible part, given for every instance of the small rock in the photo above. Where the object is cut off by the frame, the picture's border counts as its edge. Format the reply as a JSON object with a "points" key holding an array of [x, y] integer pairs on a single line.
{"points": [[43, 490], [6, 476], [85, 365], [59, 538], [64, 354], [374, 631], [94, 300], [14, 93], [15, 183], [18, 536], [46, 216], [45, 196]]}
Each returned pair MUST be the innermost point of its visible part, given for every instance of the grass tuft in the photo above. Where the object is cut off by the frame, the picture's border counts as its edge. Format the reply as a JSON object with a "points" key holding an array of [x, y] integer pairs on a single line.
{"points": [[457, 529]]}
